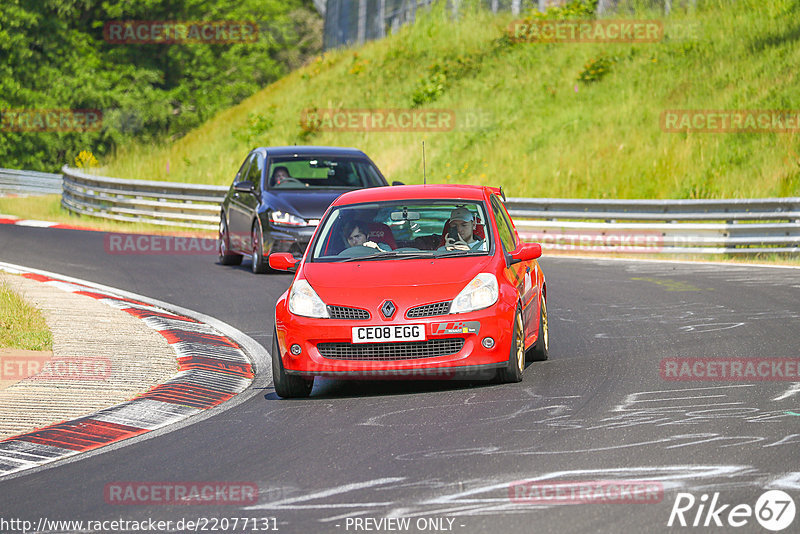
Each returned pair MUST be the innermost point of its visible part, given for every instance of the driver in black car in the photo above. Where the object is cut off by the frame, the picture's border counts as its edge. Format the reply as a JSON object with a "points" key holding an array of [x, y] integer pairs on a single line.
{"points": [[279, 174]]}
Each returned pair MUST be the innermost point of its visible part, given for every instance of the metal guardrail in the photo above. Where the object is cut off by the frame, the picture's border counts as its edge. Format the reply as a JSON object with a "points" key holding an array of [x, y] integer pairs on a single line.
{"points": [[769, 225], [160, 203], [660, 226], [29, 182]]}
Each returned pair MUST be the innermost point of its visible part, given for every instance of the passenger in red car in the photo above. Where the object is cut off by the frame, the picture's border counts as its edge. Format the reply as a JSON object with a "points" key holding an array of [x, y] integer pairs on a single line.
{"points": [[461, 235]]}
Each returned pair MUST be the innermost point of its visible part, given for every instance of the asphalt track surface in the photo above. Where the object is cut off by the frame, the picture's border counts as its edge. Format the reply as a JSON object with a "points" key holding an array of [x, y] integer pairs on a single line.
{"points": [[598, 410]]}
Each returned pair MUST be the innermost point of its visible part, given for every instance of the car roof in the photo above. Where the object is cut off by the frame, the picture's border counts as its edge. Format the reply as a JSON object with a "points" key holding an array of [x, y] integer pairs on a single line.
{"points": [[308, 150], [415, 192]]}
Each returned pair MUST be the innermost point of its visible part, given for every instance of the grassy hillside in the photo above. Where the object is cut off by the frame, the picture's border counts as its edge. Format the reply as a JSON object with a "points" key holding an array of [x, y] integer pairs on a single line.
{"points": [[544, 132]]}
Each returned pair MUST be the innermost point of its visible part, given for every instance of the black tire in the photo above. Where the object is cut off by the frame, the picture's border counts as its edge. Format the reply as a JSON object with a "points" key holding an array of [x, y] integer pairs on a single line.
{"points": [[287, 386], [541, 349], [260, 266], [224, 245], [516, 357]]}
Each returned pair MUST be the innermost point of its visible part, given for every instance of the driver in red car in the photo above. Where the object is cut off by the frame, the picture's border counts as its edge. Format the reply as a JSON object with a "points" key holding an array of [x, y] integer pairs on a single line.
{"points": [[461, 235], [356, 234]]}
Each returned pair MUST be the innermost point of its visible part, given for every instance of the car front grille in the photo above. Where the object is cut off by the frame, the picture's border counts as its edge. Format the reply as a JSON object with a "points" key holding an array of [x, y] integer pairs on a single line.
{"points": [[405, 350], [344, 312], [429, 310]]}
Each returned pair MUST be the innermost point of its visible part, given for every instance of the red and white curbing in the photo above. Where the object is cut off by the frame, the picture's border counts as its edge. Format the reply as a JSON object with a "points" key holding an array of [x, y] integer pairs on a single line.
{"points": [[10, 219], [212, 369]]}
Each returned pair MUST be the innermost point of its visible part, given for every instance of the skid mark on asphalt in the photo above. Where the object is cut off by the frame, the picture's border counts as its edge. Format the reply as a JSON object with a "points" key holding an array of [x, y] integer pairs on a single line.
{"points": [[709, 327], [676, 413], [480, 497], [684, 317], [385, 419], [736, 274], [790, 481], [671, 285], [300, 502], [794, 388], [673, 395]]}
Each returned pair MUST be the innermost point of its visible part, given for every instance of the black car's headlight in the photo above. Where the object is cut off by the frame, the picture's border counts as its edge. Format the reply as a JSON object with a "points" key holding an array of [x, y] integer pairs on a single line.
{"points": [[281, 218]]}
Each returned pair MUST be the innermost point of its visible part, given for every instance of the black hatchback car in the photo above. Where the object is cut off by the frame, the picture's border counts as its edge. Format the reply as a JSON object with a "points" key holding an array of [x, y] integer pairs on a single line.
{"points": [[279, 195]]}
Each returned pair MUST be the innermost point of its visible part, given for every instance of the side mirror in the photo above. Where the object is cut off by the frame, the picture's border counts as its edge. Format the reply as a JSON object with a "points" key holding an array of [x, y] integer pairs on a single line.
{"points": [[396, 182], [525, 252], [244, 186], [283, 261]]}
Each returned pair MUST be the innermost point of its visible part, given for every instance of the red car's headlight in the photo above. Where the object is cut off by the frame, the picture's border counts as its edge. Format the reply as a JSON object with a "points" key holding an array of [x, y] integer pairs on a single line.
{"points": [[480, 293], [303, 300]]}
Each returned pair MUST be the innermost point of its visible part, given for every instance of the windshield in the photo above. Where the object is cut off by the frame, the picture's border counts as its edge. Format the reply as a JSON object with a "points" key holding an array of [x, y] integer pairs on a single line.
{"points": [[304, 172], [402, 229]]}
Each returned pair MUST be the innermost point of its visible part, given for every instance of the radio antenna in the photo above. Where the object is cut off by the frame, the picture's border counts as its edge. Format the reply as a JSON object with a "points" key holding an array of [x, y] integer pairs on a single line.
{"points": [[424, 177]]}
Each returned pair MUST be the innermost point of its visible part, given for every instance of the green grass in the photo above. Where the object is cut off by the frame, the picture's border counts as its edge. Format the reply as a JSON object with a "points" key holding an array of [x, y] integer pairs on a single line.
{"points": [[42, 208], [542, 137], [21, 325]]}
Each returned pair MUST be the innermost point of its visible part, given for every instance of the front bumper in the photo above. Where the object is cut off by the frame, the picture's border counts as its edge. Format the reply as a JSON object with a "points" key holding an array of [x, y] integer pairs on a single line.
{"points": [[287, 239], [372, 360]]}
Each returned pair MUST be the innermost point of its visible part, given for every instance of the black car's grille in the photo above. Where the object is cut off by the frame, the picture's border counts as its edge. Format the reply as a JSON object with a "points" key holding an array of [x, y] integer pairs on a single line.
{"points": [[343, 312], [429, 310], [405, 350]]}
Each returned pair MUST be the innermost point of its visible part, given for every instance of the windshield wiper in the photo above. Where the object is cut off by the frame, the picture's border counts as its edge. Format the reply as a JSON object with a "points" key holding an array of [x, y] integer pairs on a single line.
{"points": [[391, 254], [454, 253]]}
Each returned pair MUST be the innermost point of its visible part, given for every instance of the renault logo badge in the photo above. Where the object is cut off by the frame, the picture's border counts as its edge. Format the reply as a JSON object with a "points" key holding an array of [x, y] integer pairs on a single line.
{"points": [[388, 308]]}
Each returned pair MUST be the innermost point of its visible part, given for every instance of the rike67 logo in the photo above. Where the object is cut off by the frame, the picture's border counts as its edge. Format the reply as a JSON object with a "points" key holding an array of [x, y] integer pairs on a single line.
{"points": [[774, 510]]}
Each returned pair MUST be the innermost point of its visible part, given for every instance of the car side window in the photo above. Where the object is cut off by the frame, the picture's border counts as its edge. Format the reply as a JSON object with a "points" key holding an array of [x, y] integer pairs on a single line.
{"points": [[256, 170], [504, 226], [241, 175]]}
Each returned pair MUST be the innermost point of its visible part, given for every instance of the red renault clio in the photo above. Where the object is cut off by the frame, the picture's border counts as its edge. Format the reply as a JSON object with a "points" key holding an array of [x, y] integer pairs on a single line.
{"points": [[419, 281]]}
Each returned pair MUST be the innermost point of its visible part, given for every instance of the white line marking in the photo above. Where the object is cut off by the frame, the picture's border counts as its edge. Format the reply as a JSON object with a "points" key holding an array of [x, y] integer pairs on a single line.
{"points": [[794, 388], [35, 223], [789, 481], [634, 398], [328, 493]]}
